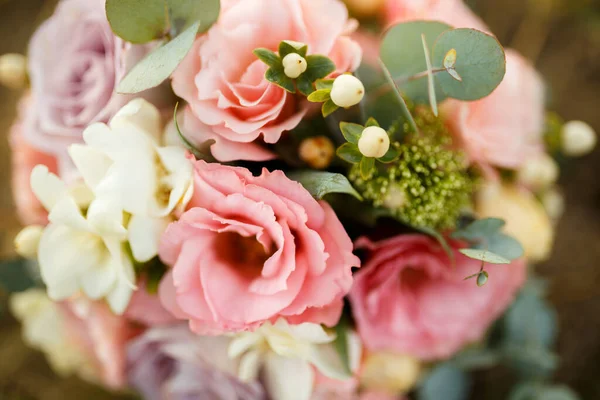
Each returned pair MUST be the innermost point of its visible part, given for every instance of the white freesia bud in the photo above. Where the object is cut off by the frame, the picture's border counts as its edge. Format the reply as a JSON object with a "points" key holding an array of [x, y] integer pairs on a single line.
{"points": [[538, 172], [374, 142], [578, 138], [13, 70], [294, 65], [27, 241], [347, 91]]}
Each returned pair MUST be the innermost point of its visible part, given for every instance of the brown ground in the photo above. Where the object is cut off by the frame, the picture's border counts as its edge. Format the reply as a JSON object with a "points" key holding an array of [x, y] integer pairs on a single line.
{"points": [[566, 47]]}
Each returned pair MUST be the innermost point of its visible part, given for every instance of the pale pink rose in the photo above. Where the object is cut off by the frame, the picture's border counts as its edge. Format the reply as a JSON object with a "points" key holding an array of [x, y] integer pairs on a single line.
{"points": [[453, 12], [223, 81], [75, 63], [410, 299], [251, 249], [24, 158], [102, 335], [505, 128], [146, 308]]}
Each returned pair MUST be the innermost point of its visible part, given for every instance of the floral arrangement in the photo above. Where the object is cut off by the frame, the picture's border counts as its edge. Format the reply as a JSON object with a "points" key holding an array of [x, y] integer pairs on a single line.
{"points": [[253, 199]]}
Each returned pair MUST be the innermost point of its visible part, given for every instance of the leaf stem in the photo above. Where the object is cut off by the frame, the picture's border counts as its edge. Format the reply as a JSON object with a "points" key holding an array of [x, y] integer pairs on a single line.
{"points": [[401, 100], [385, 88]]}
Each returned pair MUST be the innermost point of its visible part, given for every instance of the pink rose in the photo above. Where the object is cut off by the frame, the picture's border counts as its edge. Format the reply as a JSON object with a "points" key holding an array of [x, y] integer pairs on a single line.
{"points": [[146, 308], [75, 63], [505, 128], [24, 158], [102, 335], [453, 12], [223, 81], [251, 249], [410, 299]]}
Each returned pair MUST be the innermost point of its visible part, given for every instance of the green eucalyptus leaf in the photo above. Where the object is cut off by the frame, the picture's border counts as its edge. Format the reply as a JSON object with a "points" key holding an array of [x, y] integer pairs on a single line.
{"points": [[371, 122], [287, 47], [539, 391], [318, 67], [352, 132], [503, 245], [320, 183], [328, 108], [479, 228], [159, 64], [402, 53], [480, 62], [184, 13], [391, 155], [324, 84], [268, 57], [366, 167], [137, 21], [349, 152], [278, 77], [447, 382], [531, 320], [485, 256], [320, 96], [15, 276], [440, 239]]}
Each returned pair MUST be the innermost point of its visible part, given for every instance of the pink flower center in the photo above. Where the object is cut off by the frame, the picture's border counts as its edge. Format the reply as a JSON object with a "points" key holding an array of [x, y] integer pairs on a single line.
{"points": [[244, 253]]}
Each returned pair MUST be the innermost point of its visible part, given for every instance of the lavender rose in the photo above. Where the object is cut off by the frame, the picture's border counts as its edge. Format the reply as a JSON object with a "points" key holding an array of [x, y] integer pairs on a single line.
{"points": [[172, 363]]}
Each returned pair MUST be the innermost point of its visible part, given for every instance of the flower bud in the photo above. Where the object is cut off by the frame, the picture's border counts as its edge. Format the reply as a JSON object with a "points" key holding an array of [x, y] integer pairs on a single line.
{"points": [[13, 70], [390, 373], [347, 91], [317, 151], [365, 8], [294, 65], [578, 138], [554, 203], [482, 278], [26, 242], [374, 142], [538, 172]]}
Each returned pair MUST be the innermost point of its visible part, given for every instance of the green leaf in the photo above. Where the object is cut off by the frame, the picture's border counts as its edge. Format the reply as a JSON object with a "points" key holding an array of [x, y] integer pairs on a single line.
{"points": [[371, 122], [351, 132], [268, 57], [485, 256], [530, 321], [439, 237], [480, 62], [341, 343], [390, 156], [137, 21], [15, 276], [479, 229], [402, 53], [366, 167], [320, 183], [540, 391], [159, 64], [286, 47], [503, 245], [484, 234], [318, 67], [349, 152], [477, 358], [324, 84], [320, 96], [202, 153], [279, 78], [447, 382], [184, 13], [328, 108], [304, 85]]}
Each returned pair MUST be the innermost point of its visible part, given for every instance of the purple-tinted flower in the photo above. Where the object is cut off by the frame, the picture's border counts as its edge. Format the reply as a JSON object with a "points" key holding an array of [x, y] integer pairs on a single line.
{"points": [[173, 363]]}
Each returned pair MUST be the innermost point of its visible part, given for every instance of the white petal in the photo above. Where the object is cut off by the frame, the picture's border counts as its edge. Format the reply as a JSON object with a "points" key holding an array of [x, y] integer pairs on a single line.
{"points": [[354, 350], [141, 113], [180, 175], [98, 281], [288, 378], [91, 163], [250, 366], [119, 298], [313, 333], [66, 212], [101, 138], [105, 216], [144, 236], [46, 186], [327, 360], [242, 343]]}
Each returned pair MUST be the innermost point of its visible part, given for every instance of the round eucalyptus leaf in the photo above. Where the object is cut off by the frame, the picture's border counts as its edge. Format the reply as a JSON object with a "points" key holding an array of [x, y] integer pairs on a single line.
{"points": [[137, 21], [183, 13], [402, 53], [480, 62]]}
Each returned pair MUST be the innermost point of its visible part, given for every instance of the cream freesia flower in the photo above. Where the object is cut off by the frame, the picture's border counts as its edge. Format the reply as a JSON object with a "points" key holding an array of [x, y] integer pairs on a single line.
{"points": [[286, 355], [82, 246]]}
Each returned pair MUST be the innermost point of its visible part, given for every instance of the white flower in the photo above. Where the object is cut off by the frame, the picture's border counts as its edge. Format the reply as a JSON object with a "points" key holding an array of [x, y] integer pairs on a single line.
{"points": [[44, 328], [27, 241], [286, 354], [578, 138], [294, 65], [374, 142], [347, 91], [82, 246]]}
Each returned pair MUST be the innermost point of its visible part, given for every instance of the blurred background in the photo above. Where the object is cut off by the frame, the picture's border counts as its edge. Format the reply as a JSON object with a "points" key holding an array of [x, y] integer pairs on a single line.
{"points": [[562, 37]]}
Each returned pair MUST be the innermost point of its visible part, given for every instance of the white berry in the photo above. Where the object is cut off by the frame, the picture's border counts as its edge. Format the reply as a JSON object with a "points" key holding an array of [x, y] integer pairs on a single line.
{"points": [[347, 91], [538, 172], [374, 142], [294, 65], [578, 138]]}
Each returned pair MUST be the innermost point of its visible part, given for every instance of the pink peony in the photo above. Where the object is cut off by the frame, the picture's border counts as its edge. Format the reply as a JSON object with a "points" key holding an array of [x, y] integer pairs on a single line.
{"points": [[75, 63], [223, 81], [24, 158], [252, 249], [453, 12], [409, 298], [505, 128], [102, 335]]}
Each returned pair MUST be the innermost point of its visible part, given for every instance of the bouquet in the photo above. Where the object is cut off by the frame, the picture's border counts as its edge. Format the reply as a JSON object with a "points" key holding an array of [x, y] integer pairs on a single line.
{"points": [[266, 199]]}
